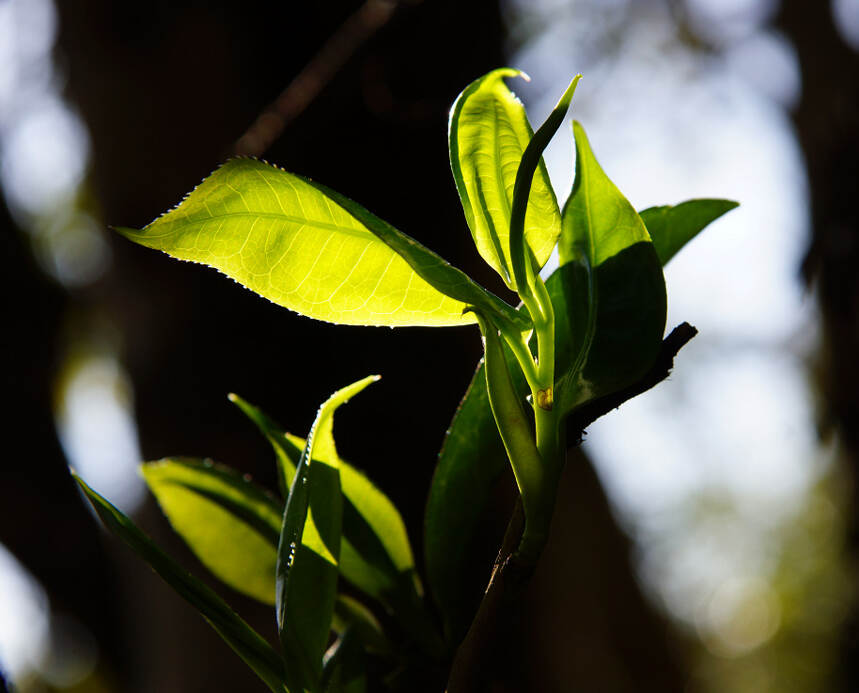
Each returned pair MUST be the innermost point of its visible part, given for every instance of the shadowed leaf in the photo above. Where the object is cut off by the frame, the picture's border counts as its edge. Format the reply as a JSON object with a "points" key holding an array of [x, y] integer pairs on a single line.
{"points": [[374, 550], [255, 651], [308, 552]]}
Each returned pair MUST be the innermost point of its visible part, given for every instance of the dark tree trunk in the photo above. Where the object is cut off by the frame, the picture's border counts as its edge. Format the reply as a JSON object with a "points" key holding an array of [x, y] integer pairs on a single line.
{"points": [[826, 123]]}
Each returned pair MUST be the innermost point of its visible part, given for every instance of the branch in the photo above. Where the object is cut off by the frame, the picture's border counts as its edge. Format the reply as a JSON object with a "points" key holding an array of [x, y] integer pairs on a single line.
{"points": [[480, 655], [298, 95], [583, 417]]}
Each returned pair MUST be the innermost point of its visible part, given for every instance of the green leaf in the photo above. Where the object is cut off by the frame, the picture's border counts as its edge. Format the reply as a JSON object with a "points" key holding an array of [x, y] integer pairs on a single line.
{"points": [[473, 457], [447, 279], [246, 642], [307, 248], [375, 553], [229, 523], [613, 289], [471, 461], [532, 158], [308, 552], [671, 228], [515, 429], [487, 135]]}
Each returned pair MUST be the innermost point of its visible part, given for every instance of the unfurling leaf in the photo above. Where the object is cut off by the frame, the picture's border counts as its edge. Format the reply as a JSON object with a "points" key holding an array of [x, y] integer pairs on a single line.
{"points": [[610, 328], [375, 554], [487, 134], [308, 552]]}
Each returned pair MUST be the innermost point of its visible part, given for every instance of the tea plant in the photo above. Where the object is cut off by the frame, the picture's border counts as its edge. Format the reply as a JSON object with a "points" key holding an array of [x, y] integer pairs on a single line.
{"points": [[583, 341]]}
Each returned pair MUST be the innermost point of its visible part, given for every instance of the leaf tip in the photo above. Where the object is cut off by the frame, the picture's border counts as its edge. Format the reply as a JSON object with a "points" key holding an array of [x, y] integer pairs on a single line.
{"points": [[126, 231], [567, 96]]}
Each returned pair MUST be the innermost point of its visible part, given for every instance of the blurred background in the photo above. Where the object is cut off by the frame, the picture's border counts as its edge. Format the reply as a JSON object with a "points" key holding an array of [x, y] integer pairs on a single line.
{"points": [[706, 534]]}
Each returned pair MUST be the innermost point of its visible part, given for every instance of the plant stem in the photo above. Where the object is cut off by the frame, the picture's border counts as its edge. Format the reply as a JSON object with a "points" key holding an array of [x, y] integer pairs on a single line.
{"points": [[475, 662]]}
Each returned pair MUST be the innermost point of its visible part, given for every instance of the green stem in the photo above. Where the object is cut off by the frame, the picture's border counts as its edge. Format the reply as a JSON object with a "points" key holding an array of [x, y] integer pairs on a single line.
{"points": [[518, 343], [547, 431]]}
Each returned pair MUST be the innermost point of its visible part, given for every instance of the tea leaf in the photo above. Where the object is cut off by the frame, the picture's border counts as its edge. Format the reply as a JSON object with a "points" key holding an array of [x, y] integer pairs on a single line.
{"points": [[374, 549], [229, 523], [308, 553], [246, 642], [470, 463], [311, 250], [487, 134], [613, 290], [671, 228]]}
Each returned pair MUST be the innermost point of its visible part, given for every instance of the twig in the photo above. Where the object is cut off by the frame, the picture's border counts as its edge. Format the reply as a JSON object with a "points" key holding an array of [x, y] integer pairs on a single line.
{"points": [[582, 418], [480, 654], [339, 47]]}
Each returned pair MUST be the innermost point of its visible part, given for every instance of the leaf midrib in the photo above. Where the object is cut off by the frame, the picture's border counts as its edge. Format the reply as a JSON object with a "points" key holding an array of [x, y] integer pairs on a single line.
{"points": [[359, 233], [502, 192]]}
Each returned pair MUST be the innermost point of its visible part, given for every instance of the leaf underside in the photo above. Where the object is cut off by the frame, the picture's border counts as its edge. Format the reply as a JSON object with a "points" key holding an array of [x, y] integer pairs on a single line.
{"points": [[281, 236], [229, 523], [248, 644], [673, 227], [487, 134]]}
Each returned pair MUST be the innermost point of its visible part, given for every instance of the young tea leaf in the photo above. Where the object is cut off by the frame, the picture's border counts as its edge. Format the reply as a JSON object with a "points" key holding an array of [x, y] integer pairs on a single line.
{"points": [[308, 553], [304, 247], [229, 523], [471, 461], [532, 158], [375, 553], [246, 642], [671, 228], [613, 289], [487, 134]]}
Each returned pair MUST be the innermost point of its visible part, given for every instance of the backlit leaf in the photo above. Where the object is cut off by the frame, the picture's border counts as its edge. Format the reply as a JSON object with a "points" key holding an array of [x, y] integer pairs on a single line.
{"points": [[314, 251], [613, 289], [375, 552], [671, 228], [487, 134], [230, 524], [246, 642], [308, 553]]}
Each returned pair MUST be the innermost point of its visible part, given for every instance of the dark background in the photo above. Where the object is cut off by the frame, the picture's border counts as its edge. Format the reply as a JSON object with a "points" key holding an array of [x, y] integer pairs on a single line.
{"points": [[166, 89]]}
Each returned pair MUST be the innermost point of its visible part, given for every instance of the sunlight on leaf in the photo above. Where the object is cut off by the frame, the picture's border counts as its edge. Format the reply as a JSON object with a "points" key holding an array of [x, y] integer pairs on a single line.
{"points": [[246, 642], [613, 319], [312, 250], [229, 523], [488, 132], [307, 561], [671, 228], [374, 549]]}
